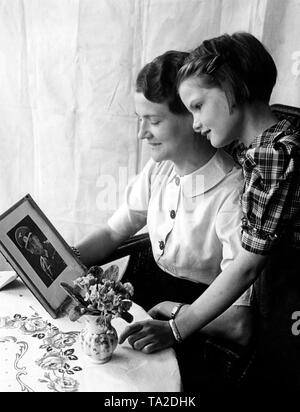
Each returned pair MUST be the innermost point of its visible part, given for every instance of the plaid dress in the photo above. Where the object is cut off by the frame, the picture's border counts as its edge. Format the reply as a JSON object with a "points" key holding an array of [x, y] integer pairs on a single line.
{"points": [[271, 226], [271, 196]]}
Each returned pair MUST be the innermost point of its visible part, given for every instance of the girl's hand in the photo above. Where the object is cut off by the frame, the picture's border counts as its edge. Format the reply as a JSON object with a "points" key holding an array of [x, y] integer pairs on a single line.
{"points": [[148, 336], [162, 310]]}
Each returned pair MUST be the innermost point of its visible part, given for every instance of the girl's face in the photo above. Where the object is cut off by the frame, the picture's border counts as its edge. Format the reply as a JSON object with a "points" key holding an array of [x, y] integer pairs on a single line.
{"points": [[212, 115], [170, 136]]}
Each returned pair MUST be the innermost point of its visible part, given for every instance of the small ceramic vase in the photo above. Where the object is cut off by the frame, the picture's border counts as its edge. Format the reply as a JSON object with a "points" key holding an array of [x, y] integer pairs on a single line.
{"points": [[98, 338]]}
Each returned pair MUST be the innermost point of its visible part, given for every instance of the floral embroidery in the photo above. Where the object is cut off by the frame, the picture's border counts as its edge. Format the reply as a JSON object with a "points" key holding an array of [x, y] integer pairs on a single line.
{"points": [[32, 325], [59, 340], [52, 361], [61, 384], [55, 361]]}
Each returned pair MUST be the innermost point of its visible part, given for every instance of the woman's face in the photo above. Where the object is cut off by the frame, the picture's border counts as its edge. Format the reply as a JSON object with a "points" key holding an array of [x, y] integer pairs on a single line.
{"points": [[169, 136], [212, 115]]}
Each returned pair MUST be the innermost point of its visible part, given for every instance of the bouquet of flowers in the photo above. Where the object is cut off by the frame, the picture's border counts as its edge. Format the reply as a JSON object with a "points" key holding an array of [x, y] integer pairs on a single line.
{"points": [[100, 293]]}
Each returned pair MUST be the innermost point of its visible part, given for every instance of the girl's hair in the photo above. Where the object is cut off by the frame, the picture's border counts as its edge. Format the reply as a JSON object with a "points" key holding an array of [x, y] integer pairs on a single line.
{"points": [[157, 80], [238, 63]]}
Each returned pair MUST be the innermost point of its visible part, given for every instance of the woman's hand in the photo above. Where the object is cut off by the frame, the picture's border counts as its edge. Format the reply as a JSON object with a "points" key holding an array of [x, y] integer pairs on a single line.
{"points": [[148, 336]]}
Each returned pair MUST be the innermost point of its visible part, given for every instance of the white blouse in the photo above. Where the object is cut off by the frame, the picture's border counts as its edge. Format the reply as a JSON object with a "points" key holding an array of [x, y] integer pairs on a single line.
{"points": [[193, 220]]}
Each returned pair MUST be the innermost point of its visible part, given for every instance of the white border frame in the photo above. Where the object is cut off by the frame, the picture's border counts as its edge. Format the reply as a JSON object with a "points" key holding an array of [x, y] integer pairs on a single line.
{"points": [[53, 298]]}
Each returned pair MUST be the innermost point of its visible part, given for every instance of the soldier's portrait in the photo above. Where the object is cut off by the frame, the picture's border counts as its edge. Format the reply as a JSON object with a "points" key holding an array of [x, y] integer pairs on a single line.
{"points": [[37, 250]]}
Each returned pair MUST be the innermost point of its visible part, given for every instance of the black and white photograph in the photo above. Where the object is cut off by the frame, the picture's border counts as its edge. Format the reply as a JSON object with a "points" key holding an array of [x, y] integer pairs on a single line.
{"points": [[37, 253], [149, 176], [37, 250]]}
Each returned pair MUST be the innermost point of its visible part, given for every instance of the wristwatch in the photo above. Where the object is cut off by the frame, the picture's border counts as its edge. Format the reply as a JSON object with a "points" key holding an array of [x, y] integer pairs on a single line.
{"points": [[176, 309]]}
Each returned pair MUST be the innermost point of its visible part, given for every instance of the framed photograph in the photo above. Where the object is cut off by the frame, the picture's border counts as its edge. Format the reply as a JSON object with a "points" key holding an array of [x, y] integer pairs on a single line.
{"points": [[38, 253]]}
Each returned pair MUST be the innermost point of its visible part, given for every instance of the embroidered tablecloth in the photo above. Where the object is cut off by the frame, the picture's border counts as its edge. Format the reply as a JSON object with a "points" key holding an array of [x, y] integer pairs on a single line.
{"points": [[38, 354]]}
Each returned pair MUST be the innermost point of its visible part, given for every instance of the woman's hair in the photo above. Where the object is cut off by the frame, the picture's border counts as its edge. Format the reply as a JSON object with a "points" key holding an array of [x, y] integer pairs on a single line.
{"points": [[157, 80], [238, 63]]}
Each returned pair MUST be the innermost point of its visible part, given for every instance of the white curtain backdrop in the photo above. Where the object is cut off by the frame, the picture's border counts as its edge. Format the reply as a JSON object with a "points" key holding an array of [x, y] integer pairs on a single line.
{"points": [[67, 72]]}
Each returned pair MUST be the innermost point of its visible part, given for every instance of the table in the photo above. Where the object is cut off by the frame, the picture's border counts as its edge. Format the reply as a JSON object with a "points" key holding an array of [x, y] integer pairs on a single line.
{"points": [[39, 354]]}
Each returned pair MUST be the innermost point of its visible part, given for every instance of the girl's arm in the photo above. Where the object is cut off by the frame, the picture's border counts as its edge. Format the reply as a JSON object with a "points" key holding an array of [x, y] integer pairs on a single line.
{"points": [[154, 335], [224, 290], [235, 324]]}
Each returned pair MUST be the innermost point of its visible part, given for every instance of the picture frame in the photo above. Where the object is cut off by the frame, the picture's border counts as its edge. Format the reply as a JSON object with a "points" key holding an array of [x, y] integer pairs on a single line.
{"points": [[38, 254]]}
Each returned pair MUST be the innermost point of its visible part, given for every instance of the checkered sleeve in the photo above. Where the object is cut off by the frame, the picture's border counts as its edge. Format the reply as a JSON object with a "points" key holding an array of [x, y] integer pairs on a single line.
{"points": [[271, 194]]}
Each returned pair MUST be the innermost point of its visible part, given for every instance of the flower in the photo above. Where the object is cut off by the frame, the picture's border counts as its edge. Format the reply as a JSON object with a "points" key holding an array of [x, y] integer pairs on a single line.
{"points": [[60, 384], [64, 384], [52, 361], [59, 340], [100, 293], [33, 325]]}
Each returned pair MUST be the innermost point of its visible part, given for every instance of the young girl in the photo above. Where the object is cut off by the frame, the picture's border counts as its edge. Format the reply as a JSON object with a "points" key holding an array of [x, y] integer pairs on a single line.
{"points": [[226, 84]]}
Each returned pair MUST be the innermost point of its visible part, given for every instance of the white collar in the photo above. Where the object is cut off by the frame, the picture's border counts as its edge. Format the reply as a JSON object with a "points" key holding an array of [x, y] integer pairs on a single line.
{"points": [[207, 176]]}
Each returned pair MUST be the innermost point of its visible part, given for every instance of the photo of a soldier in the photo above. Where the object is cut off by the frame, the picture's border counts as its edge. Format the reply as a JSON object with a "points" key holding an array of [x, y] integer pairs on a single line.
{"points": [[38, 251]]}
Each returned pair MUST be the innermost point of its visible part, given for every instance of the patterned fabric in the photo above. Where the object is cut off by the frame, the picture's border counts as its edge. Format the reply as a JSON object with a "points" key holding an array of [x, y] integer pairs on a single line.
{"points": [[271, 196]]}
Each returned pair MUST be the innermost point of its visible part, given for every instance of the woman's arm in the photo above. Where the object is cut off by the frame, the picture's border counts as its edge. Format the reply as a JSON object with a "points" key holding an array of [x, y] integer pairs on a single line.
{"points": [[99, 245]]}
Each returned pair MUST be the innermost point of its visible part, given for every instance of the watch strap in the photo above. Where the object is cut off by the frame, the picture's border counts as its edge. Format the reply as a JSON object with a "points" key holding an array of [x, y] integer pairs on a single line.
{"points": [[175, 331], [176, 309]]}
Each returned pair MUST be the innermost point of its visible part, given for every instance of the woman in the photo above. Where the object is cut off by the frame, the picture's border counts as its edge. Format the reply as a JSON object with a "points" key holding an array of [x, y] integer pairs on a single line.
{"points": [[226, 84], [188, 195]]}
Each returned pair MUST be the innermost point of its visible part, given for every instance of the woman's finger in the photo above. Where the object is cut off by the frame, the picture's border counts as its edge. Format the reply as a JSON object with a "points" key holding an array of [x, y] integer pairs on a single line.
{"points": [[150, 348], [129, 330], [140, 343], [136, 336]]}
